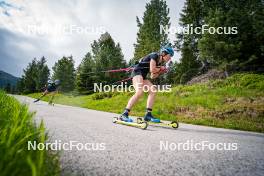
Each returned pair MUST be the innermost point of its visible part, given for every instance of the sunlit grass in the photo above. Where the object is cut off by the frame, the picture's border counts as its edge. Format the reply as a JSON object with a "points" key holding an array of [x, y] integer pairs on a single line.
{"points": [[16, 129], [236, 103]]}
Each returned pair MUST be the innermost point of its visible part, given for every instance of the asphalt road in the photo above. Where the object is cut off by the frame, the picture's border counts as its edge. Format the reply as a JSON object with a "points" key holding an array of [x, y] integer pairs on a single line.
{"points": [[113, 149]]}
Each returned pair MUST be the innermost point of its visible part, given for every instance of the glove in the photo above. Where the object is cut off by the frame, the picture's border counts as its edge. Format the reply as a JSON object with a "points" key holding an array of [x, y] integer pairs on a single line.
{"points": [[163, 70]]}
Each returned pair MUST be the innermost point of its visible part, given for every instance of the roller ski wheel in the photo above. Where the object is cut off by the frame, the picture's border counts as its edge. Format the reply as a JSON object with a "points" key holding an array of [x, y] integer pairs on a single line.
{"points": [[115, 119], [143, 125], [173, 124], [140, 120]]}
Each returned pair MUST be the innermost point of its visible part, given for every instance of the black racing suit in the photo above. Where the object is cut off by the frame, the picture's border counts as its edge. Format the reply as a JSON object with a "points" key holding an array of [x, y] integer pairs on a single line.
{"points": [[51, 87], [142, 68]]}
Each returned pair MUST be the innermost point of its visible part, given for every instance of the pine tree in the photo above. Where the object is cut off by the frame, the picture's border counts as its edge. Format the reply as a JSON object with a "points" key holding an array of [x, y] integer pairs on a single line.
{"points": [[65, 72], [187, 44], [243, 50], [20, 85], [107, 55], [43, 74], [30, 77], [85, 74], [35, 76], [149, 36], [8, 88]]}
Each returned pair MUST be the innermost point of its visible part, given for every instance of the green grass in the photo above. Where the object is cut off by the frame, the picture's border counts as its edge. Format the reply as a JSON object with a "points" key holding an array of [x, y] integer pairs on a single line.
{"points": [[16, 129], [236, 103]]}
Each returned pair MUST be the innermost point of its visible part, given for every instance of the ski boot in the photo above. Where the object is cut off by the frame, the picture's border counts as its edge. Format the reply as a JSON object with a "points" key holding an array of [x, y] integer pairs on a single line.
{"points": [[148, 117], [124, 117]]}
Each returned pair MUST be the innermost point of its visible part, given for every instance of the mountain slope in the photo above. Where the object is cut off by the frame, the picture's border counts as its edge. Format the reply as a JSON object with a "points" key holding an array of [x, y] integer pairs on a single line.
{"points": [[6, 78]]}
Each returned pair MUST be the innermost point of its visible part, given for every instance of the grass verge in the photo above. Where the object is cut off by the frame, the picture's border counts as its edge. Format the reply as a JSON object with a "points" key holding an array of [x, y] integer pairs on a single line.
{"points": [[235, 103], [16, 129]]}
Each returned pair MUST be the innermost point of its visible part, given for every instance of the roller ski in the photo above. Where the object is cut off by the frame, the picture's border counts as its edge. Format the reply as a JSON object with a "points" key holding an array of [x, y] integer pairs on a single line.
{"points": [[38, 99], [51, 104], [125, 120], [35, 101], [152, 121]]}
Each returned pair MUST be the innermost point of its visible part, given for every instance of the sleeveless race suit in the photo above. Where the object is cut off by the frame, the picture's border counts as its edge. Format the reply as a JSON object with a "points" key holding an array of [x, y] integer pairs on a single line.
{"points": [[143, 67]]}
